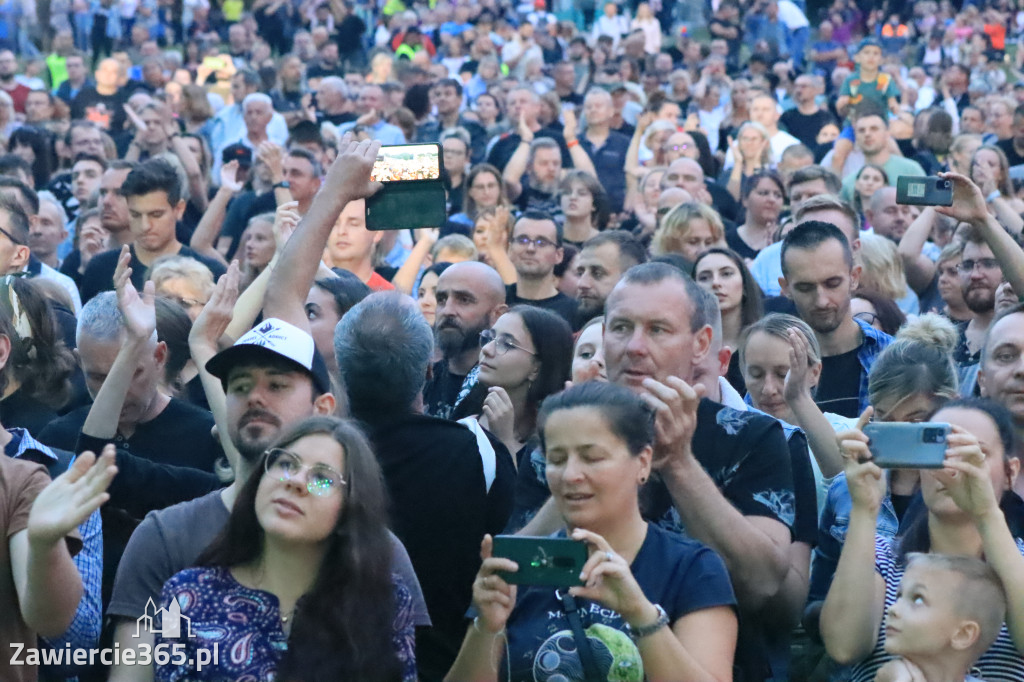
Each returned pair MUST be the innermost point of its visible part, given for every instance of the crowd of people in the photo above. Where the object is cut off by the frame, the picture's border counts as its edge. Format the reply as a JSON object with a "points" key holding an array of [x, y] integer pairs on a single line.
{"points": [[246, 438]]}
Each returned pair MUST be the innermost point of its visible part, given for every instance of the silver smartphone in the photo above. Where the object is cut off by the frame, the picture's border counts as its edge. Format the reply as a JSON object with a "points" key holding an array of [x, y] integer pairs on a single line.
{"points": [[903, 445]]}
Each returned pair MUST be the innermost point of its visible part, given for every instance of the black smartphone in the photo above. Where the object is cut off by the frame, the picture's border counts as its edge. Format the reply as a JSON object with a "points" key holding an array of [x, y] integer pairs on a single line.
{"points": [[553, 562], [413, 195], [929, 190], [904, 445]]}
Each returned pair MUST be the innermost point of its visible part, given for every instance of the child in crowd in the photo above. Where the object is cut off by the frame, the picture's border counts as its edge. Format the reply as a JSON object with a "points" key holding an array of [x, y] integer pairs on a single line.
{"points": [[948, 612]]}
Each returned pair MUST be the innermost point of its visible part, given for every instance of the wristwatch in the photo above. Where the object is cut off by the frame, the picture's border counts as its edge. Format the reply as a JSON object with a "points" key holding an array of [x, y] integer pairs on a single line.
{"points": [[282, 185], [645, 630]]}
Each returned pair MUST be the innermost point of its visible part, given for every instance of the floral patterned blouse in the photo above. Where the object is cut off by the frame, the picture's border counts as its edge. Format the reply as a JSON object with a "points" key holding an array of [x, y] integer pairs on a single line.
{"points": [[228, 631]]}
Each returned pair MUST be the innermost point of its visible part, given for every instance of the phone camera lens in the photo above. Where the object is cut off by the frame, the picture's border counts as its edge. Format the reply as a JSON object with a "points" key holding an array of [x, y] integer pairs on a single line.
{"points": [[934, 436]]}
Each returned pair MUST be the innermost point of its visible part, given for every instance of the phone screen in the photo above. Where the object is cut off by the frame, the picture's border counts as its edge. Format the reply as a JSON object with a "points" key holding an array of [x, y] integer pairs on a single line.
{"points": [[407, 162]]}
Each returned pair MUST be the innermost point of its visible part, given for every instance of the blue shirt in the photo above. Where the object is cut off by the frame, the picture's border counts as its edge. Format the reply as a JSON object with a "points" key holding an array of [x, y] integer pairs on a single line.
{"points": [[383, 131], [874, 343], [84, 631]]}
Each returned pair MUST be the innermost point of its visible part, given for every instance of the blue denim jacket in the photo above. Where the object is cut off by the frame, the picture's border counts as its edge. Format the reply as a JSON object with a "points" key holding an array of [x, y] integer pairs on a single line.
{"points": [[834, 521]]}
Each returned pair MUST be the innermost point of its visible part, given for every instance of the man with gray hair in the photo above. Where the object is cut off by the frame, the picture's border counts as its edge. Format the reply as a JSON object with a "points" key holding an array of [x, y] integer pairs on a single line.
{"points": [[229, 123], [333, 104], [449, 484]]}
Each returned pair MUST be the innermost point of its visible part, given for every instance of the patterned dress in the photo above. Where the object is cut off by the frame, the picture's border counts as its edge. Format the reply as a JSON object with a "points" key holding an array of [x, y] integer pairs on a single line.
{"points": [[235, 631]]}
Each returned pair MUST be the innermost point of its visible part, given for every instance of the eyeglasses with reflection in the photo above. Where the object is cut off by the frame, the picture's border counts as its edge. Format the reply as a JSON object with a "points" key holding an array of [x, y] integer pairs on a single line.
{"points": [[866, 317], [501, 343], [983, 263], [320, 479], [538, 242]]}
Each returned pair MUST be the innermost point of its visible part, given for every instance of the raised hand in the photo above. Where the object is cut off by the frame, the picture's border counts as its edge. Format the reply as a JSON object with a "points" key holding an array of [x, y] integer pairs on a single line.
{"points": [[965, 475], [570, 127], [139, 311], [71, 497], [286, 219], [499, 416], [213, 321], [796, 386], [272, 155], [866, 481], [675, 408], [969, 204], [525, 134], [494, 598], [349, 176], [229, 177]]}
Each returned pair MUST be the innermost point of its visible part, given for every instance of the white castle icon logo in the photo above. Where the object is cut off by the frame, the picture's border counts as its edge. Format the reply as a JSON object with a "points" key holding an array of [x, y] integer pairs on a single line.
{"points": [[170, 621]]}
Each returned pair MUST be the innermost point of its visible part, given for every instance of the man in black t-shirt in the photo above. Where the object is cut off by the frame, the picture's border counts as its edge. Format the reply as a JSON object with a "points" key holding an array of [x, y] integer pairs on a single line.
{"points": [[535, 250], [470, 298], [819, 276], [103, 104], [806, 120], [155, 205]]}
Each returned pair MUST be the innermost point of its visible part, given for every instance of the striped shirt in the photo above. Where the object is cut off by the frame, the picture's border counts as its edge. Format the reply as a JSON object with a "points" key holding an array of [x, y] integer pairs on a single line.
{"points": [[1001, 663]]}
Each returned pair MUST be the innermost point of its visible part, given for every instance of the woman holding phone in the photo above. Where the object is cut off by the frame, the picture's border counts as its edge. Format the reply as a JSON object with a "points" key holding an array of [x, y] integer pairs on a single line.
{"points": [[962, 518], [652, 605]]}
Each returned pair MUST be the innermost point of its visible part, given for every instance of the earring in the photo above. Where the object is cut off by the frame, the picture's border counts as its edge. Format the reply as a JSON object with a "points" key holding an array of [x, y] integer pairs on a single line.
{"points": [[643, 479]]}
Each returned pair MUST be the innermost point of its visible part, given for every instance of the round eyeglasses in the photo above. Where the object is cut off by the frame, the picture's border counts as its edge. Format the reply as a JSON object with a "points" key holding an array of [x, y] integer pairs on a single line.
{"points": [[320, 479], [501, 343]]}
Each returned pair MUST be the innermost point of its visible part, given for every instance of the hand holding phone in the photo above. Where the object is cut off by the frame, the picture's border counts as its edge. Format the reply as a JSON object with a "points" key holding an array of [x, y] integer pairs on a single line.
{"points": [[905, 445], [930, 190], [554, 562]]}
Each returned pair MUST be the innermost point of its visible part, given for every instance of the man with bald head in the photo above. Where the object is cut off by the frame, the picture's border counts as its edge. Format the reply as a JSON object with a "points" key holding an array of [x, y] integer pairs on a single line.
{"points": [[605, 147], [470, 299], [888, 218], [688, 174]]}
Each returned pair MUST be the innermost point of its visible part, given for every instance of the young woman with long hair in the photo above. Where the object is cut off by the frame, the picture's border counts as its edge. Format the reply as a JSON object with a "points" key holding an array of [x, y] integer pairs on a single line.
{"points": [[299, 586]]}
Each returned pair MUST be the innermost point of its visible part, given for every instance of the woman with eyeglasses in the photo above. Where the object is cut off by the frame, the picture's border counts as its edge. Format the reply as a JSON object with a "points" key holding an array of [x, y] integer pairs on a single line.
{"points": [[525, 357], [877, 310], [651, 605], [298, 586]]}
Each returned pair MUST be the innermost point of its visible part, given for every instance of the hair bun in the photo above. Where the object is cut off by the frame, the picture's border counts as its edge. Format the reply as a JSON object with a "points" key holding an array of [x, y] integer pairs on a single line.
{"points": [[931, 329]]}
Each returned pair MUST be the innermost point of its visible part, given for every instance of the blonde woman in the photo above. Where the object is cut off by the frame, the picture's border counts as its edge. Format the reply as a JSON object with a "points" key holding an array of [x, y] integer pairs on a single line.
{"points": [[882, 271], [688, 229], [752, 151], [184, 281], [991, 172], [646, 21]]}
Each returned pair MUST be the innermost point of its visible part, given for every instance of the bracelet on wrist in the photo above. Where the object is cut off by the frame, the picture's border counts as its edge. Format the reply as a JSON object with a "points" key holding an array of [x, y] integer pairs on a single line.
{"points": [[992, 196], [476, 626], [571, 143], [646, 630]]}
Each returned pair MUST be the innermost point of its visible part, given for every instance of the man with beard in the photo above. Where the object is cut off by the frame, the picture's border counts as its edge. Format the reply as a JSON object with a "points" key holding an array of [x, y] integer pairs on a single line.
{"points": [[535, 250], [819, 276], [980, 276], [272, 378], [470, 298], [599, 267]]}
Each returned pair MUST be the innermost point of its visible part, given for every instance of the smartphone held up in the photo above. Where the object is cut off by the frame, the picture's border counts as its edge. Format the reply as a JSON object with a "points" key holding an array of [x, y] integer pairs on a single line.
{"points": [[906, 445], [413, 194], [929, 190], [554, 562]]}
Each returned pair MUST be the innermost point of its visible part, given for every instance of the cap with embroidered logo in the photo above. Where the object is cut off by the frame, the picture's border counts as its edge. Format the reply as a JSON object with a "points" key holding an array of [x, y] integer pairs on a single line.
{"points": [[273, 340]]}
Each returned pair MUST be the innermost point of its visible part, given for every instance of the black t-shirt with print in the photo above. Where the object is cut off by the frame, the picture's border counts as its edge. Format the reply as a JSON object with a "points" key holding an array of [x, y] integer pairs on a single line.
{"points": [[106, 111], [681, 575], [839, 386]]}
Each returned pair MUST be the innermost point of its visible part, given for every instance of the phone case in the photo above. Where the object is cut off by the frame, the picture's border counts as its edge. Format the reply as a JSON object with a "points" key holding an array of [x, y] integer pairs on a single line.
{"points": [[553, 562], [902, 445], [408, 204], [923, 191]]}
